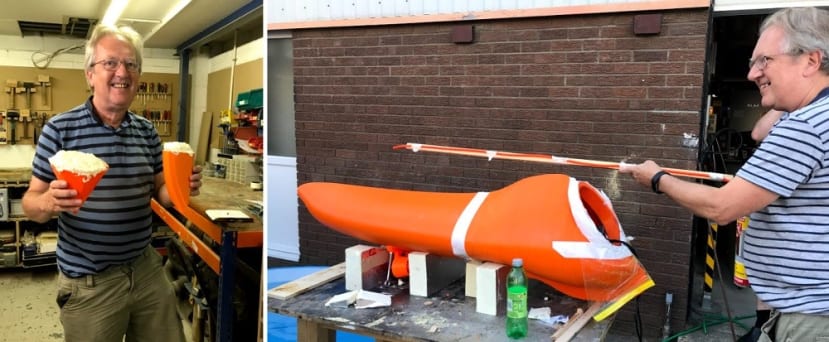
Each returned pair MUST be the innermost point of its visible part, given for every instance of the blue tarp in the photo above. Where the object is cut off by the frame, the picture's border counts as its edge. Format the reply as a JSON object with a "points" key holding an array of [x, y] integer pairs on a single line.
{"points": [[283, 328]]}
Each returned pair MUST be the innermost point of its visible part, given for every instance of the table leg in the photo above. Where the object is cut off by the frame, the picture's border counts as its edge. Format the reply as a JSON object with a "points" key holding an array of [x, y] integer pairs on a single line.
{"points": [[307, 331]]}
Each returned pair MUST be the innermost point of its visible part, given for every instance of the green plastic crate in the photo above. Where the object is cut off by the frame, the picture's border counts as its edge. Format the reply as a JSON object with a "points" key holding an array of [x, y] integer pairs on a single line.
{"points": [[249, 99]]}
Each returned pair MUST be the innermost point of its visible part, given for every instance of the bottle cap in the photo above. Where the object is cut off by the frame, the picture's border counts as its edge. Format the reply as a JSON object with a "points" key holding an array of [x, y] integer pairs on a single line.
{"points": [[517, 262]]}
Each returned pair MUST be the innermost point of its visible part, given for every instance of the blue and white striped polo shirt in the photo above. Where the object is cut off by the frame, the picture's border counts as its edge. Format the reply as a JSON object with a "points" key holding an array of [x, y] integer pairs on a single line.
{"points": [[115, 222], [787, 243]]}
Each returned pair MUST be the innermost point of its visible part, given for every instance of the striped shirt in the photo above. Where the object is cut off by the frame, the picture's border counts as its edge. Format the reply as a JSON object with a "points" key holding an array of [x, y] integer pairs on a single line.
{"points": [[115, 223], [787, 243]]}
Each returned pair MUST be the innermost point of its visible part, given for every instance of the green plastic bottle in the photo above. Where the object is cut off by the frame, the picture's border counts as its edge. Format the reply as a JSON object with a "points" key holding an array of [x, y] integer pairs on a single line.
{"points": [[517, 324]]}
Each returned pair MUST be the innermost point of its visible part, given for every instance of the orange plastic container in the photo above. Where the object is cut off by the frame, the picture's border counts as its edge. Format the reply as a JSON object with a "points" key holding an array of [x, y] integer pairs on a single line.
{"points": [[84, 185], [561, 228], [178, 166]]}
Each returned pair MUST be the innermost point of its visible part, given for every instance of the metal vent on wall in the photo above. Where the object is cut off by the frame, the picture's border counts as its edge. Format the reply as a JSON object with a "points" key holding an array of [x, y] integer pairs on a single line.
{"points": [[71, 27]]}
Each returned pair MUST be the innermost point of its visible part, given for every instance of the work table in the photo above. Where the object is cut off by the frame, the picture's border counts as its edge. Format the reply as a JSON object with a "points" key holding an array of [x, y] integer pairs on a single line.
{"points": [[447, 316], [218, 193], [217, 242]]}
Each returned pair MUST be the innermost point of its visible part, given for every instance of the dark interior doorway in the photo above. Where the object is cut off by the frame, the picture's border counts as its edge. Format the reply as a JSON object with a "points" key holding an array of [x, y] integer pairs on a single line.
{"points": [[727, 144]]}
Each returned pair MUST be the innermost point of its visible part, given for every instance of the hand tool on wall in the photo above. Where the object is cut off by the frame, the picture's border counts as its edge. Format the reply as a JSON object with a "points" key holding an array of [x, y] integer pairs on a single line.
{"points": [[12, 116], [29, 87], [550, 159], [11, 89], [36, 123], [2, 128], [40, 121], [142, 93], [19, 90], [25, 117], [44, 82]]}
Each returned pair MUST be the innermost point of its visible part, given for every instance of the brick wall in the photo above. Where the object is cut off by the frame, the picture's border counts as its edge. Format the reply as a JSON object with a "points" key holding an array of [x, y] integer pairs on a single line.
{"points": [[573, 86]]}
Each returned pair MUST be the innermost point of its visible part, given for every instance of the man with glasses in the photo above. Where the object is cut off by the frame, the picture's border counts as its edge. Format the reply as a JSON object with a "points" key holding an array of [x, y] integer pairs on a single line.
{"points": [[785, 183], [111, 286]]}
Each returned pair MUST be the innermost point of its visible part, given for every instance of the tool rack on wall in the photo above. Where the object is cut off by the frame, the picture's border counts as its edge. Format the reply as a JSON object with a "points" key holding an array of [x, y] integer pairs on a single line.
{"points": [[27, 105], [154, 101]]}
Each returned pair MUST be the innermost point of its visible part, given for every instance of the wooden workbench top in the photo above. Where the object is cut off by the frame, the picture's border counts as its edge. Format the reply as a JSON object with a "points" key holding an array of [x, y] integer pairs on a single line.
{"points": [[218, 193], [447, 316]]}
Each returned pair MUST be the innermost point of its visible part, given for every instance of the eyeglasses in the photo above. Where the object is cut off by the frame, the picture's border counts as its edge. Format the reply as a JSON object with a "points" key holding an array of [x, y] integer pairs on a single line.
{"points": [[112, 64], [763, 60]]}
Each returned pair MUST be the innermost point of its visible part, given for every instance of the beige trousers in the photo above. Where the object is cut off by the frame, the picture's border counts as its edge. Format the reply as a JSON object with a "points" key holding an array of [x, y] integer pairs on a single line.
{"points": [[795, 327], [131, 302]]}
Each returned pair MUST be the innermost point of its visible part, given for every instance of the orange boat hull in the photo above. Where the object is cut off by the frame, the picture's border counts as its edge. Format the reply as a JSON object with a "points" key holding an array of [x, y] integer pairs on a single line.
{"points": [[551, 221]]}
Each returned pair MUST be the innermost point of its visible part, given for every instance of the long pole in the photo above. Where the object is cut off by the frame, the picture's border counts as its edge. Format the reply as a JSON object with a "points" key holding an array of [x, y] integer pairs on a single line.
{"points": [[551, 159]]}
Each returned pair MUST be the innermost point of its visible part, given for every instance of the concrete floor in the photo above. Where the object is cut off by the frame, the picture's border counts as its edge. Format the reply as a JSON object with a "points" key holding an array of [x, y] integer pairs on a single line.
{"points": [[28, 311], [741, 302]]}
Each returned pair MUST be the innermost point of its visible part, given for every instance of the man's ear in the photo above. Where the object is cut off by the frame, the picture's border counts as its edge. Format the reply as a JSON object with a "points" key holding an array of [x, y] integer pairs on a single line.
{"points": [[88, 74], [815, 59]]}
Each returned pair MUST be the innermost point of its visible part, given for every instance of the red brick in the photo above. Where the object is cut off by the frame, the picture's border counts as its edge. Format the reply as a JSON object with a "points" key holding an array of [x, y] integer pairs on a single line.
{"points": [[579, 86]]}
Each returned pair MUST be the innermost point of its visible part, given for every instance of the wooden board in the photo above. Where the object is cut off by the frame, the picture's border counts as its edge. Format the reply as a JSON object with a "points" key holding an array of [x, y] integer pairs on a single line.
{"points": [[576, 323], [203, 145], [293, 288]]}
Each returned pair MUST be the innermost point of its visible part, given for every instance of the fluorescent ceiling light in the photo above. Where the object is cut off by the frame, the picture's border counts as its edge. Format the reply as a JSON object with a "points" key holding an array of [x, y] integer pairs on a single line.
{"points": [[114, 11]]}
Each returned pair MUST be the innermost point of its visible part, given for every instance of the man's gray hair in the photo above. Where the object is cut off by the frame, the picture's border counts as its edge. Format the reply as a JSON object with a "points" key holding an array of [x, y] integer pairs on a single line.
{"points": [[123, 33], [806, 29]]}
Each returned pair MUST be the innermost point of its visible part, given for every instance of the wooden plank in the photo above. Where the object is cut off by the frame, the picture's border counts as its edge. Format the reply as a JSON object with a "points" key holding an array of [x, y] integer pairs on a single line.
{"points": [[203, 144], [576, 323], [293, 288]]}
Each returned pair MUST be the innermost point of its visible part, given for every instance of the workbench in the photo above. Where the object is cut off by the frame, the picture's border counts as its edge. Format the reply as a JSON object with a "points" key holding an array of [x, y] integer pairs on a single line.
{"points": [[202, 236], [447, 316]]}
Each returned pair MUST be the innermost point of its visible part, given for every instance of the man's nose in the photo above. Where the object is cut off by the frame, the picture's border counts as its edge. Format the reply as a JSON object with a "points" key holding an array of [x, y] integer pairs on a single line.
{"points": [[121, 69], [754, 73]]}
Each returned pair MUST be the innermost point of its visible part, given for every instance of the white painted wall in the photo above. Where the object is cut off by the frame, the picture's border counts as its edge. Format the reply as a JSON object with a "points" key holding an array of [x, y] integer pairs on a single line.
{"points": [[20, 51], [322, 10], [281, 219], [746, 5]]}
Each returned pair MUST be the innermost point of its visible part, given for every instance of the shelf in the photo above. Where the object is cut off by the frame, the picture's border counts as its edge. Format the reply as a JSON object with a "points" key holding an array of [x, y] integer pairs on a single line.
{"points": [[39, 260], [16, 182], [17, 219]]}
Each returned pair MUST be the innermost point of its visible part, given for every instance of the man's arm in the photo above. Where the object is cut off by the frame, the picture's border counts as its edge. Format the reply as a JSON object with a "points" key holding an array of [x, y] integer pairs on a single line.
{"points": [[43, 200], [161, 194], [764, 124], [723, 205]]}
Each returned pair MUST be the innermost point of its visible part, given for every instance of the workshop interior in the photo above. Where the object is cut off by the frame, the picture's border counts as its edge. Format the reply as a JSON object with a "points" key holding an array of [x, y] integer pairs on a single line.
{"points": [[201, 84]]}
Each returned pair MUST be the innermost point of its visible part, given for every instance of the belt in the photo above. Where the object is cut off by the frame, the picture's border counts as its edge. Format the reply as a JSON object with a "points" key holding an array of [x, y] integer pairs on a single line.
{"points": [[110, 271]]}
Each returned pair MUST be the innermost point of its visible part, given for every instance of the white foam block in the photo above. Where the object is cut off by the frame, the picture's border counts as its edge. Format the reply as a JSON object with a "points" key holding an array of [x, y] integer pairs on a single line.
{"points": [[491, 288], [471, 278], [365, 267], [429, 273]]}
